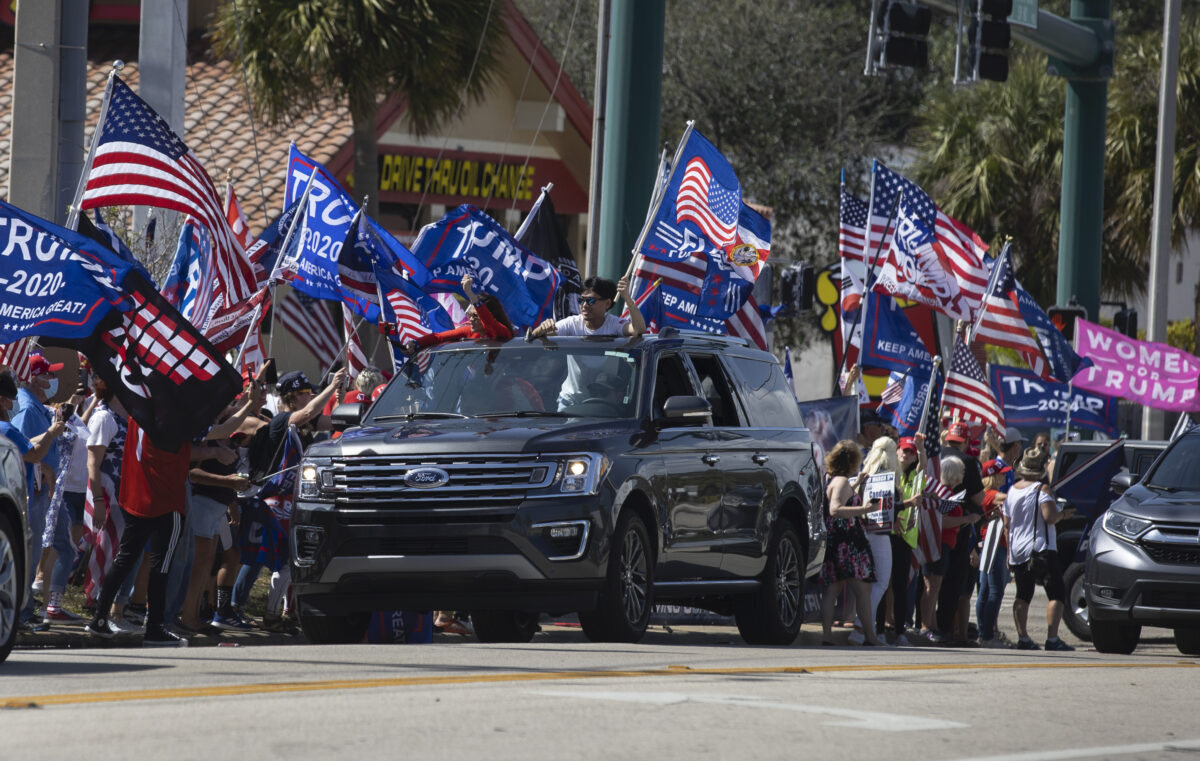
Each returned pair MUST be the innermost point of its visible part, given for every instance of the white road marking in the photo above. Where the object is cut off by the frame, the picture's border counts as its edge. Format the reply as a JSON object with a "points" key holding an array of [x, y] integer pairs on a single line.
{"points": [[1096, 752], [845, 717]]}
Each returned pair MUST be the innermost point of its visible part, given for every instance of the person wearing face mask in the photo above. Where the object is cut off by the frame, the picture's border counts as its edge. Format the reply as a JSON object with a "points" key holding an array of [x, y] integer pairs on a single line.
{"points": [[33, 419]]}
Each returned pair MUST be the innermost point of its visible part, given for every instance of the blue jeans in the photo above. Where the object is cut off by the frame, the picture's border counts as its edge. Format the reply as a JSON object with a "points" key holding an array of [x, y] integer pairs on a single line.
{"points": [[247, 575], [181, 567], [39, 505], [64, 547], [991, 596]]}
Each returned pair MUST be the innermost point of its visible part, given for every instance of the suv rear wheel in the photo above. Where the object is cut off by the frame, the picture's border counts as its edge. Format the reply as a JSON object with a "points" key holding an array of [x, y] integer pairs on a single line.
{"points": [[1188, 640], [335, 630], [10, 587], [627, 597], [504, 625], [1114, 637], [1075, 612], [772, 615]]}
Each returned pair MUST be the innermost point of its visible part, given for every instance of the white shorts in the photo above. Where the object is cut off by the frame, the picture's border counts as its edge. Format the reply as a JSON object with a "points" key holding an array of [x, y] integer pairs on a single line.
{"points": [[207, 516]]}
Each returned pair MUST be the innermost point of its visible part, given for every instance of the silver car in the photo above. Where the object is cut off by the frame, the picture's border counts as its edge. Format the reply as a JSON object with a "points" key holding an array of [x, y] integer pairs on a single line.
{"points": [[1143, 565], [14, 543]]}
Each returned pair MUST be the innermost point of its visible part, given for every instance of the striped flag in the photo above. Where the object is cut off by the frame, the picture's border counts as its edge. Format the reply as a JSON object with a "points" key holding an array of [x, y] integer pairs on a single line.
{"points": [[310, 322], [893, 392], [852, 250], [708, 203], [236, 219], [967, 394], [15, 356], [139, 161], [1000, 322], [747, 323], [356, 358]]}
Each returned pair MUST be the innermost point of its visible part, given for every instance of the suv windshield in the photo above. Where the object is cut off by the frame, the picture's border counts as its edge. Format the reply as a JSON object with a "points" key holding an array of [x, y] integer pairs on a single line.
{"points": [[514, 380], [1177, 470]]}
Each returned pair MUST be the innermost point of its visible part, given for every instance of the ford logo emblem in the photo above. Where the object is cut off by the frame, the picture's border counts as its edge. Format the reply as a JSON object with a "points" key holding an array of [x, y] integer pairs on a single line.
{"points": [[426, 478]]}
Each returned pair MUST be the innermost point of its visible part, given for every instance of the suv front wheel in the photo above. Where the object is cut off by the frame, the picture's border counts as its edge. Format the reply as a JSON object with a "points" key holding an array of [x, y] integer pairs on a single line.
{"points": [[1187, 640], [627, 597], [772, 614], [1114, 637]]}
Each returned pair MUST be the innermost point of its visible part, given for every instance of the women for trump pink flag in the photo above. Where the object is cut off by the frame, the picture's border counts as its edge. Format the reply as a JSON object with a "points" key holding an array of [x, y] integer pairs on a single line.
{"points": [[1154, 374]]}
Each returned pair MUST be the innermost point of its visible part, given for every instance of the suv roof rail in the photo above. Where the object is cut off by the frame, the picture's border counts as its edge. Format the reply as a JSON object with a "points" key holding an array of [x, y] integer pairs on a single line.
{"points": [[673, 332]]}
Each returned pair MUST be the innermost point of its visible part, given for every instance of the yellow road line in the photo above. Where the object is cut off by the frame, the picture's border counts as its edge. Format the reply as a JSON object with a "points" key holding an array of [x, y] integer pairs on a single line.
{"points": [[176, 693]]}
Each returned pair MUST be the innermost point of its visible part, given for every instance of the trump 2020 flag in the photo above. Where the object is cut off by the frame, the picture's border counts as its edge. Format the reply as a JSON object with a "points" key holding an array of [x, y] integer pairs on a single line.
{"points": [[188, 270], [699, 207], [55, 282], [468, 241], [310, 264]]}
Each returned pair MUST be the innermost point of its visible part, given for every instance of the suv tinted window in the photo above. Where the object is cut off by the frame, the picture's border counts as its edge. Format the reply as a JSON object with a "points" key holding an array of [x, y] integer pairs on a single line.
{"points": [[714, 386], [769, 401], [671, 379], [1177, 470]]}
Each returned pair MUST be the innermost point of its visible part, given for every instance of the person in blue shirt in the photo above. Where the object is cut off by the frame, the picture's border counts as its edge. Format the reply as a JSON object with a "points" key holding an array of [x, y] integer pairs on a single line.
{"points": [[18, 428]]}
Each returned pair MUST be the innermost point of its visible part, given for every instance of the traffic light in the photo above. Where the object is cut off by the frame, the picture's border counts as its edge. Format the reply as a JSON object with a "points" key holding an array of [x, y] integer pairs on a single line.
{"points": [[1064, 318], [1126, 322], [901, 30], [988, 40], [797, 284]]}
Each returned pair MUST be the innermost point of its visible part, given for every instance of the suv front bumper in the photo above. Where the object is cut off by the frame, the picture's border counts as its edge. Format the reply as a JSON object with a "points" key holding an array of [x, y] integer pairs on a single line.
{"points": [[1124, 584], [347, 562]]}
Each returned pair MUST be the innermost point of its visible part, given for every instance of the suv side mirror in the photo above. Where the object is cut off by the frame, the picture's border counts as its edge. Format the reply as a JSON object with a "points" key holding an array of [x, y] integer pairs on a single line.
{"points": [[686, 410], [1121, 482], [346, 415]]}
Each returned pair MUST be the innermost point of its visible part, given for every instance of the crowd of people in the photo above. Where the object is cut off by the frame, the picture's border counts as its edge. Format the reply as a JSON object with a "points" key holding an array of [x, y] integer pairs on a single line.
{"points": [[993, 514], [169, 544]]}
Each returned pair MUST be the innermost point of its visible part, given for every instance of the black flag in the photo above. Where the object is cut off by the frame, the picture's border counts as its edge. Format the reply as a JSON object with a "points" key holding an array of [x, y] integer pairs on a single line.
{"points": [[544, 237], [168, 376]]}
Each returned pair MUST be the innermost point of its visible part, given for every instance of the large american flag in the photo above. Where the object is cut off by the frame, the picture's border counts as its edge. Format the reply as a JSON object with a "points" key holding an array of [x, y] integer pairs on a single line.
{"points": [[962, 249], [1000, 322], [852, 251], [709, 204], [852, 227], [140, 161], [310, 322], [15, 356], [967, 392]]}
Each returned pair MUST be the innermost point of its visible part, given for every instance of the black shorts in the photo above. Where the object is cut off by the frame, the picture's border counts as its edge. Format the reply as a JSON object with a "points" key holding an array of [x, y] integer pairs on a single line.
{"points": [[1052, 582], [941, 565]]}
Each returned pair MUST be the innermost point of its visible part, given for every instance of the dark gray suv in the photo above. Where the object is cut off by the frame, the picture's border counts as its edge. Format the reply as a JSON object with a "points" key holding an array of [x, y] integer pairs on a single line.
{"points": [[598, 475], [1143, 565], [14, 543]]}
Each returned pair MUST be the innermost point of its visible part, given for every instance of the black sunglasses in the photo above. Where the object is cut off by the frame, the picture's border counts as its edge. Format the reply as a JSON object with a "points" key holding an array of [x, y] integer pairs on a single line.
{"points": [[589, 300]]}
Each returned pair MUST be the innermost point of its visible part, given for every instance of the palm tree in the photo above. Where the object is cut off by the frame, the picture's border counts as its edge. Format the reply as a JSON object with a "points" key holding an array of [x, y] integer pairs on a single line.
{"points": [[433, 53]]}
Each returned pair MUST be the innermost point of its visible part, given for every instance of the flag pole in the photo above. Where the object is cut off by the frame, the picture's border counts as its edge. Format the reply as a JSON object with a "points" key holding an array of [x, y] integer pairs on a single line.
{"points": [[342, 351], [73, 212], [287, 240], [987, 292], [937, 362], [656, 198], [254, 319], [870, 281], [533, 210]]}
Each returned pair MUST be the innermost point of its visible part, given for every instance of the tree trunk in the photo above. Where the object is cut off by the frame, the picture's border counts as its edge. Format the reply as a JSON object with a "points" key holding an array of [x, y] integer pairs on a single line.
{"points": [[366, 161]]}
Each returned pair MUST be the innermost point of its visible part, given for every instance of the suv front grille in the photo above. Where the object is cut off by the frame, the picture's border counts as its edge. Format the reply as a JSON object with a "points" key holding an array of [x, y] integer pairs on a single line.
{"points": [[498, 484], [1173, 554], [1178, 600]]}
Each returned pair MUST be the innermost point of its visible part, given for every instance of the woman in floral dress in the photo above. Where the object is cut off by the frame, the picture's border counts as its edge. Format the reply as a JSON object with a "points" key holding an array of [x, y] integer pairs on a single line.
{"points": [[848, 559]]}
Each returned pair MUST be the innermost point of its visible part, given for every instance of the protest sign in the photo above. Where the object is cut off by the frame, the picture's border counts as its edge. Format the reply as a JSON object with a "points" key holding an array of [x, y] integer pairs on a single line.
{"points": [[1030, 402], [1153, 374], [829, 421], [880, 487]]}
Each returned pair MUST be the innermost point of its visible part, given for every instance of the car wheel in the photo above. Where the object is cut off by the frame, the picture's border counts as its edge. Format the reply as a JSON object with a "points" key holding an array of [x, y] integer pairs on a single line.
{"points": [[349, 629], [627, 597], [1188, 641], [504, 625], [1075, 612], [772, 615], [1115, 637], [10, 587]]}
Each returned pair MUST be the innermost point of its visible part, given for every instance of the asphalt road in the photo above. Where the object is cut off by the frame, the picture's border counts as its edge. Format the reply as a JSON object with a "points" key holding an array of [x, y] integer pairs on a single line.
{"points": [[695, 692]]}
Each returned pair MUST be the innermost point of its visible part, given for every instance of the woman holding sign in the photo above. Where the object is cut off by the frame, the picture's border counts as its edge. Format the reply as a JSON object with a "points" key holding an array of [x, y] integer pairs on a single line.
{"points": [[877, 483], [848, 559]]}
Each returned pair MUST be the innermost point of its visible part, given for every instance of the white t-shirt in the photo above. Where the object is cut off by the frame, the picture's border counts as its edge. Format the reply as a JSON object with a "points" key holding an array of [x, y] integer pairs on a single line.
{"points": [[574, 387], [1027, 531], [102, 427], [76, 477]]}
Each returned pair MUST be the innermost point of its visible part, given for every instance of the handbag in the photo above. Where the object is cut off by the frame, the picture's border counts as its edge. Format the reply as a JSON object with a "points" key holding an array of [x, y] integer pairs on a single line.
{"points": [[1038, 565]]}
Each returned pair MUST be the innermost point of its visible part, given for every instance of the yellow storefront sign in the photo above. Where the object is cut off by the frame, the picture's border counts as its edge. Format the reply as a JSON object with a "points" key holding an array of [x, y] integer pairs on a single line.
{"points": [[466, 178]]}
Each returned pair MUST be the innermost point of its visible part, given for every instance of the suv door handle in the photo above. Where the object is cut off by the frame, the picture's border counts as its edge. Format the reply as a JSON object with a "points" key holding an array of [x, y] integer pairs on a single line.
{"points": [[760, 459], [710, 459]]}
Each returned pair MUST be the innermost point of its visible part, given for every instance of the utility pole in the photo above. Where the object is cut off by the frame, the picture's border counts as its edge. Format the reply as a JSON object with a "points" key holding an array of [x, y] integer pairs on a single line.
{"points": [[33, 162], [599, 99], [162, 71], [1153, 421], [632, 111]]}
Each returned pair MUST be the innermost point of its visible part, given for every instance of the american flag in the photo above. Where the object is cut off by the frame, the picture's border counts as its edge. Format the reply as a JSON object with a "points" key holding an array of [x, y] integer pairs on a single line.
{"points": [[712, 206], [253, 354], [893, 392], [15, 356], [852, 242], [1000, 322], [310, 322], [967, 394], [747, 323], [409, 323], [140, 161], [686, 275], [962, 249], [852, 227], [356, 358]]}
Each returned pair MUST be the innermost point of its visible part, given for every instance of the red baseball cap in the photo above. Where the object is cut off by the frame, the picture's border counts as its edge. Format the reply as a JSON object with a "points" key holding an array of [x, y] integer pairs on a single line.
{"points": [[39, 365], [958, 432], [908, 442], [377, 391]]}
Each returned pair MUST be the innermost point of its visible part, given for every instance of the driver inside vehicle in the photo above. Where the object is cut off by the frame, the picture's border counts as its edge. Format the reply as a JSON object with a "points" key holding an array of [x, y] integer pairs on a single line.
{"points": [[606, 394]]}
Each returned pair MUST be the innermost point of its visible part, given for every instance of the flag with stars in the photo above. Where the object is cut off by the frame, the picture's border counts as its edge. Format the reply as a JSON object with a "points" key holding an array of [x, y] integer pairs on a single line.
{"points": [[967, 394], [927, 256], [699, 207], [139, 161], [852, 250], [1000, 322]]}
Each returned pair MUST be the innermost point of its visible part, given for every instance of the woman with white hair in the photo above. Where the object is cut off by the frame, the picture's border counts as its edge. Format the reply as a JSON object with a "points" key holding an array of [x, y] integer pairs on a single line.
{"points": [[881, 458]]}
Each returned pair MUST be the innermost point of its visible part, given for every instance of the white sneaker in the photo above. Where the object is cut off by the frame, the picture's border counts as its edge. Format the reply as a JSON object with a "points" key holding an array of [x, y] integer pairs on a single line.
{"points": [[857, 637], [995, 643]]}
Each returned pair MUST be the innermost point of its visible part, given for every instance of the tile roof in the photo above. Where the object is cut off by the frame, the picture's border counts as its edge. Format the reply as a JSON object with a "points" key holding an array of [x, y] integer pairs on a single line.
{"points": [[217, 126]]}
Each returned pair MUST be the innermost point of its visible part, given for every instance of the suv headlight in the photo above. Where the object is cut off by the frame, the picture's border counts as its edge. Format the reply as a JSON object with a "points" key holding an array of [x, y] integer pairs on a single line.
{"points": [[316, 480], [570, 474], [1124, 526]]}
